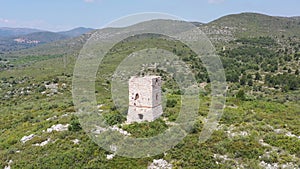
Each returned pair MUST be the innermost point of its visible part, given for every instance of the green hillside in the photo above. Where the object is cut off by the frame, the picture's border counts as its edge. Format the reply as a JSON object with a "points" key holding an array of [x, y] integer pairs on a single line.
{"points": [[253, 24]]}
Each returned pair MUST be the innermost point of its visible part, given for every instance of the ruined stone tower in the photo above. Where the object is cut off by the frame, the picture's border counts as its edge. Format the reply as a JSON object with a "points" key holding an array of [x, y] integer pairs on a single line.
{"points": [[144, 99]]}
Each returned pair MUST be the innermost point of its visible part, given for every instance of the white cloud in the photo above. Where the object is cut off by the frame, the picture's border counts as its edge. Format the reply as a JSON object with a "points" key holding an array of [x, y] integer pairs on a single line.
{"points": [[215, 1], [3, 20], [89, 1], [92, 1]]}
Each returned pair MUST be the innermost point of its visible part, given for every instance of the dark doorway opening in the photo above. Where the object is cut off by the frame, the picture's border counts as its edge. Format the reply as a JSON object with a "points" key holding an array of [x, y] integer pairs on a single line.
{"points": [[141, 116]]}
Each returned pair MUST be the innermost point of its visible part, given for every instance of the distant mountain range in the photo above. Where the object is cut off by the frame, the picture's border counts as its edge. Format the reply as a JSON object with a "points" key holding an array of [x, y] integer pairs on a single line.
{"points": [[220, 31], [15, 32], [13, 39]]}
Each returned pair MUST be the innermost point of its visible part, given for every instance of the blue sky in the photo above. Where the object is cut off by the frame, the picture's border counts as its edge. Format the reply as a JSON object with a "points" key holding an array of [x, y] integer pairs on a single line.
{"points": [[56, 15]]}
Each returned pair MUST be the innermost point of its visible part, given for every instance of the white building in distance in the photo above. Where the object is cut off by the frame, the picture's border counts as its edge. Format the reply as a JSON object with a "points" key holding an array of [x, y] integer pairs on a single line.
{"points": [[144, 99]]}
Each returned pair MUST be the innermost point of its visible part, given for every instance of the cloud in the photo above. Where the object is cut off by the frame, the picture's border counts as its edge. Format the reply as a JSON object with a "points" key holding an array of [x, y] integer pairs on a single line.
{"points": [[215, 1], [89, 1], [3, 20], [92, 1]]}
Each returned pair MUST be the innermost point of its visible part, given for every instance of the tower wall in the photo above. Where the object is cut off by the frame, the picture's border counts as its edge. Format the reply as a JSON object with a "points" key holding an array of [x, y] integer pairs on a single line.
{"points": [[144, 99]]}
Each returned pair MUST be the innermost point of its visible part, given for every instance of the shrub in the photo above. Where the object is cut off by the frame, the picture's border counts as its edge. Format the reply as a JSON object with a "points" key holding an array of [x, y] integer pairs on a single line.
{"points": [[171, 103], [241, 95], [75, 125]]}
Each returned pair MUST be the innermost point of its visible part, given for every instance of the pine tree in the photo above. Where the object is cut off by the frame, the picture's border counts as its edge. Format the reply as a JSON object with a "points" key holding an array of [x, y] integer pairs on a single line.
{"points": [[241, 95], [257, 76]]}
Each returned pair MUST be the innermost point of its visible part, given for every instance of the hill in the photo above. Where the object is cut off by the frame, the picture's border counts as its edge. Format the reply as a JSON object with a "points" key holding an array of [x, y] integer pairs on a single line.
{"points": [[29, 40], [17, 43], [221, 31], [76, 32], [41, 37], [251, 25], [69, 46], [13, 32]]}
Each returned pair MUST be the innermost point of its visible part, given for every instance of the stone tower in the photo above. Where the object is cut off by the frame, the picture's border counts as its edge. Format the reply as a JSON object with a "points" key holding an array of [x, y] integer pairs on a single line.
{"points": [[144, 99]]}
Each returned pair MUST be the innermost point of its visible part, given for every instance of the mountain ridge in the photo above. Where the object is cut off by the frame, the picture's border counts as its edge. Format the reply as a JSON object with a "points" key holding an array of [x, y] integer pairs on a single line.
{"points": [[10, 32], [36, 38], [220, 31], [76, 31]]}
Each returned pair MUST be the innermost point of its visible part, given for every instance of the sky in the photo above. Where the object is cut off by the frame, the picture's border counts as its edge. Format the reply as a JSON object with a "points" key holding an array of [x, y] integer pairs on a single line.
{"points": [[58, 15]]}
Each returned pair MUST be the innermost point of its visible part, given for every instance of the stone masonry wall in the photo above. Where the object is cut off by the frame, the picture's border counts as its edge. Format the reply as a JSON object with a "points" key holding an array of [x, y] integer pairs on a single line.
{"points": [[144, 99]]}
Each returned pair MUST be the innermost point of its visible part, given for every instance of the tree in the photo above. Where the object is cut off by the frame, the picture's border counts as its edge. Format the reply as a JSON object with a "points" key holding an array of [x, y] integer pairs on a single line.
{"points": [[257, 76], [232, 76], [249, 76], [243, 80], [114, 117], [171, 103], [250, 82], [268, 79], [293, 84], [241, 95], [297, 72]]}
